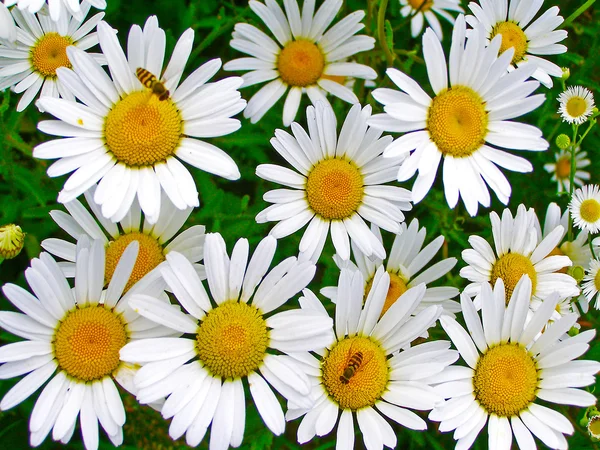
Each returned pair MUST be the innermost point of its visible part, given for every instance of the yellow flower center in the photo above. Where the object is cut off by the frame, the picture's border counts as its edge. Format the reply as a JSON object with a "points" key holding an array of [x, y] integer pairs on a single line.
{"points": [[300, 63], [396, 289], [457, 121], [505, 380], [563, 168], [334, 188], [87, 342], [597, 281], [355, 372], [576, 106], [49, 53], [594, 427], [512, 36], [510, 268], [12, 240], [421, 5], [149, 256], [232, 340], [141, 130], [590, 210]]}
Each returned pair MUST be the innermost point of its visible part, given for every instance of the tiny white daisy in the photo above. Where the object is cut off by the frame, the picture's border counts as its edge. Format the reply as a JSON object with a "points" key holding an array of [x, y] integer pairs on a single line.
{"points": [[512, 20], [57, 9], [585, 208], [304, 58], [421, 10], [339, 181], [30, 64], [511, 364], [406, 259], [8, 29], [364, 371], [233, 337], [518, 251], [130, 140], [73, 337], [465, 120], [561, 169], [155, 240], [576, 104], [591, 283]]}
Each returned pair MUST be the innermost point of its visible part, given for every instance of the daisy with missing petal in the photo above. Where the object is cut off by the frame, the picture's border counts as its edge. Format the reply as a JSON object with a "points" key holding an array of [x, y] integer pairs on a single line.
{"points": [[512, 20], [464, 122], [57, 8], [73, 338], [585, 208], [305, 58], [510, 365], [405, 266], [129, 140], [518, 251], [232, 338], [576, 104], [561, 169], [338, 182], [591, 283], [30, 64], [364, 373], [420, 10], [155, 240]]}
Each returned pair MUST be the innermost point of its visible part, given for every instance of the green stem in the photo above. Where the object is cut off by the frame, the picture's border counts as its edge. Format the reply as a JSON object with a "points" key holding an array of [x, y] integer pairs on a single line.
{"points": [[591, 238], [572, 179], [590, 126], [579, 11], [389, 56]]}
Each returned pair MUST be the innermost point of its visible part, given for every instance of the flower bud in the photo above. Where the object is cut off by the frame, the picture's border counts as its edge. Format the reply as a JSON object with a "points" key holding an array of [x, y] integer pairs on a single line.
{"points": [[566, 73], [563, 141], [12, 239], [577, 272]]}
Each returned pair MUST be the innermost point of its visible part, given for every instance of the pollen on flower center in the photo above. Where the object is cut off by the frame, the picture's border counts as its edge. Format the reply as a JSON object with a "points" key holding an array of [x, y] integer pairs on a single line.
{"points": [[576, 106], [510, 268], [334, 188], [512, 36], [300, 63], [396, 289], [457, 121], [505, 381], [87, 342], [49, 53], [232, 340], [142, 130], [563, 168], [421, 5], [355, 372], [149, 256], [590, 210]]}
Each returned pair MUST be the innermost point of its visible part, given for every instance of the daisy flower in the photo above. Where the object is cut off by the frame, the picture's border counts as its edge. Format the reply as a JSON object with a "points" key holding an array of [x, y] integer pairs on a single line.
{"points": [[233, 338], [338, 182], [125, 137], [304, 58], [585, 208], [72, 338], [512, 20], [420, 10], [510, 365], [518, 251], [591, 283], [405, 266], [31, 63], [8, 30], [576, 104], [561, 169], [57, 8], [364, 372], [155, 240], [464, 120]]}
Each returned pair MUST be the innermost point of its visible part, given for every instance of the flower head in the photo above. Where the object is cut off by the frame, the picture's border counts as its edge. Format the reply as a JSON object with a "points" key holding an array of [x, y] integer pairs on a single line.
{"points": [[576, 104], [591, 283], [12, 240], [57, 8], [561, 169], [585, 208], [422, 10]]}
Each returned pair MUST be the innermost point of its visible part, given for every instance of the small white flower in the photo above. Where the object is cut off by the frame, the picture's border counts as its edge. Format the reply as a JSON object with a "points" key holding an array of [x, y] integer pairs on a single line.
{"points": [[561, 169], [591, 283], [576, 104], [422, 10], [57, 9], [585, 208]]}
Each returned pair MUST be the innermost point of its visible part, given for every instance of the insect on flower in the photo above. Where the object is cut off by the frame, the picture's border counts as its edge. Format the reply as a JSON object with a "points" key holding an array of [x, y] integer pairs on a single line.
{"points": [[150, 81]]}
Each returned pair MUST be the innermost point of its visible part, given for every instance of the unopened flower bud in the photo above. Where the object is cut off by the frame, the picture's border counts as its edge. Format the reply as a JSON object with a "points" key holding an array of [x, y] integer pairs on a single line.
{"points": [[12, 239], [563, 141], [566, 73], [577, 272]]}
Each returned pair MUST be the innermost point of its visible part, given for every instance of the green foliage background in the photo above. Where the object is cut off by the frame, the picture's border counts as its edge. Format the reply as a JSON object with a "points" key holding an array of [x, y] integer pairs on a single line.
{"points": [[27, 194]]}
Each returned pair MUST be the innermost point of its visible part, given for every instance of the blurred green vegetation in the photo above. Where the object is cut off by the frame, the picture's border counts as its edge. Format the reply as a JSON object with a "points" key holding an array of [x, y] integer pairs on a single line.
{"points": [[27, 194]]}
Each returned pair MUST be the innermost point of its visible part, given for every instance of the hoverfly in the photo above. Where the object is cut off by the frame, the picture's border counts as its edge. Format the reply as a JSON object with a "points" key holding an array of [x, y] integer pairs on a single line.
{"points": [[151, 82], [356, 361]]}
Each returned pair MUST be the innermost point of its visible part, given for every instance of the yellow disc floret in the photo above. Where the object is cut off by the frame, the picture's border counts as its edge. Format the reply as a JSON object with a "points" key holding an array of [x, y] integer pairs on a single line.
{"points": [[505, 381], [355, 372], [510, 268], [457, 121], [149, 256], [300, 63], [87, 342], [421, 5], [141, 130], [512, 36], [49, 53], [334, 188], [590, 210], [576, 106], [232, 340], [397, 288]]}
